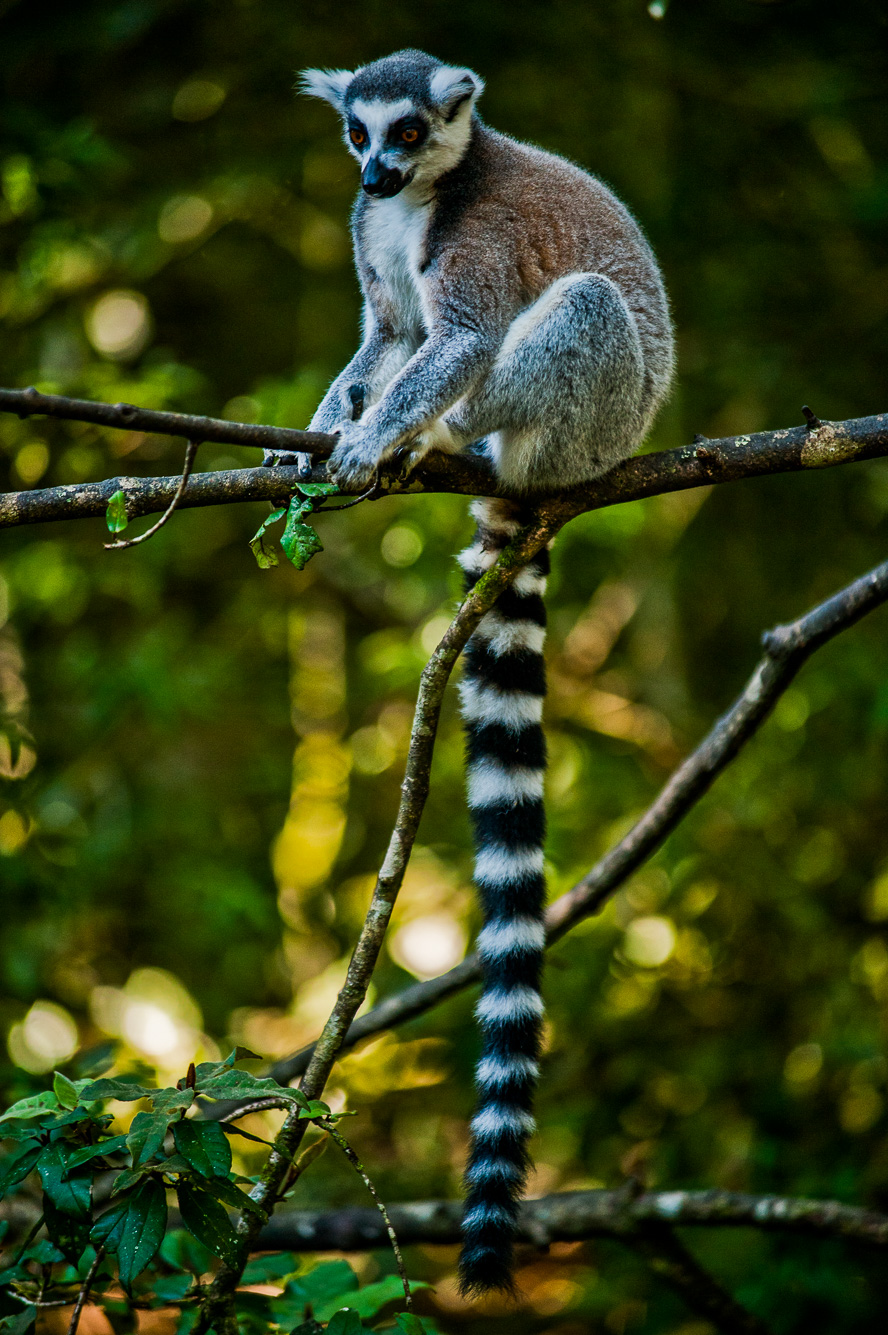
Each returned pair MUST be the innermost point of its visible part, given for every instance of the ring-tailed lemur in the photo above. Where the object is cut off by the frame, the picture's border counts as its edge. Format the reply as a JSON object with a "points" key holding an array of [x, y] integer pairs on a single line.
{"points": [[513, 304]]}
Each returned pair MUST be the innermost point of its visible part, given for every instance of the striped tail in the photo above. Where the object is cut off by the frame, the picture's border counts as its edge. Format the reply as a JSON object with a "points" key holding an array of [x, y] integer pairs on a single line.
{"points": [[502, 700]]}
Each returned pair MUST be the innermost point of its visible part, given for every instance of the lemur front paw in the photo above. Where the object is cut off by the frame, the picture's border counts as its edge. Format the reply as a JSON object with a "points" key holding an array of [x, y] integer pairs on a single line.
{"points": [[356, 457], [285, 458]]}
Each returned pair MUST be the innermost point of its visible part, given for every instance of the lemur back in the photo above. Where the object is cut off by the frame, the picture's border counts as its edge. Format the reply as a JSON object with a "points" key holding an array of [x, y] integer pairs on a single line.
{"points": [[512, 305]]}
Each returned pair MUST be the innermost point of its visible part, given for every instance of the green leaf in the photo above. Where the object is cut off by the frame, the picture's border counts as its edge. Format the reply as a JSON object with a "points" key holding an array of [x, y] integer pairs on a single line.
{"points": [[369, 1301], [143, 1230], [225, 1190], [16, 1167], [345, 1322], [409, 1324], [95, 1151], [130, 1176], [65, 1090], [310, 1327], [134, 1229], [205, 1218], [122, 1090], [323, 1291], [265, 555], [115, 514], [181, 1250], [300, 542], [243, 1085], [317, 488], [35, 1106], [272, 1266], [69, 1232], [20, 1323], [146, 1136], [205, 1146], [172, 1100], [316, 1109], [71, 1195]]}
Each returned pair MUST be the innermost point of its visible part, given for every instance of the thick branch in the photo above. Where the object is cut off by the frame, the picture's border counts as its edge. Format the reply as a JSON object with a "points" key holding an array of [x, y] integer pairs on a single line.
{"points": [[706, 463], [572, 1216], [786, 649]]}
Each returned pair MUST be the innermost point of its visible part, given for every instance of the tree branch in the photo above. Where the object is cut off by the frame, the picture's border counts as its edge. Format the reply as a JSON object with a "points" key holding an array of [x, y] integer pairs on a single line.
{"points": [[787, 648], [706, 463], [671, 1261], [574, 1216], [414, 791]]}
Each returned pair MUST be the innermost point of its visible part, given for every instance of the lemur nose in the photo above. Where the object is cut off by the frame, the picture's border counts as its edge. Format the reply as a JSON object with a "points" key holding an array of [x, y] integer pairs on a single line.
{"points": [[382, 181]]}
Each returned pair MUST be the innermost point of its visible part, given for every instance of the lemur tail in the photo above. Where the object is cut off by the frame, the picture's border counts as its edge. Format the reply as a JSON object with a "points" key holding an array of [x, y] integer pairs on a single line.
{"points": [[502, 700]]}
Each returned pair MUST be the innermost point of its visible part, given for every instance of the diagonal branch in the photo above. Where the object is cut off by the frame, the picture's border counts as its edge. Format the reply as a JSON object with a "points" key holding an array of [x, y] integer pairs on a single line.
{"points": [[573, 1216], [414, 791], [671, 1261], [787, 648]]}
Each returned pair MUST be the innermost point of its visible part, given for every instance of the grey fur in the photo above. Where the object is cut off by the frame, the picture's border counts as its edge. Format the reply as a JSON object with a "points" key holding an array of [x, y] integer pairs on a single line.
{"points": [[509, 295]]}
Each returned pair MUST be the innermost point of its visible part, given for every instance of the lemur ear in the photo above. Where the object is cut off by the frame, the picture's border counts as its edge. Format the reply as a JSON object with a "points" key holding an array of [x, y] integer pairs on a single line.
{"points": [[330, 85], [452, 86]]}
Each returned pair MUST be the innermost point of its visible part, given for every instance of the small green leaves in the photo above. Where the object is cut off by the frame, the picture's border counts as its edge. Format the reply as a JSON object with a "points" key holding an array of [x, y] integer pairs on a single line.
{"points": [[134, 1229], [17, 1167], [299, 541], [203, 1216], [205, 1146], [230, 1084], [345, 1322], [146, 1136], [115, 514], [123, 1090], [71, 1194], [65, 1090], [265, 555], [35, 1106]]}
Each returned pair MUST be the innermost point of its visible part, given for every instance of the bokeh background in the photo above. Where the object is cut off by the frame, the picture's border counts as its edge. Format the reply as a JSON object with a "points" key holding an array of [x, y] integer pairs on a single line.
{"points": [[188, 839]]}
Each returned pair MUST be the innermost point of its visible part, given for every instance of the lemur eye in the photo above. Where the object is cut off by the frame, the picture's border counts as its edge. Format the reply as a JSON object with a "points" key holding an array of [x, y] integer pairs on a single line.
{"points": [[357, 137], [410, 135]]}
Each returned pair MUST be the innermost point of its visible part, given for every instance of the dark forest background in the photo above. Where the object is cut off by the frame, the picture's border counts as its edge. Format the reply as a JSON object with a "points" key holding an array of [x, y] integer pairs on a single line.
{"points": [[186, 849]]}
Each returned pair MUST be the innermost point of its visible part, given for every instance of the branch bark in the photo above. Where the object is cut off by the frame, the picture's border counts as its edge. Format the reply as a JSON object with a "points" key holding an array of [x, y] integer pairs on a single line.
{"points": [[705, 463], [574, 1216], [671, 1261], [787, 648]]}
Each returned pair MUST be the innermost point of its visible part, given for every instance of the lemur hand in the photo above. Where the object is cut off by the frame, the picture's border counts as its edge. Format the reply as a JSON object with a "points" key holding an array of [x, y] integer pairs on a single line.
{"points": [[357, 455]]}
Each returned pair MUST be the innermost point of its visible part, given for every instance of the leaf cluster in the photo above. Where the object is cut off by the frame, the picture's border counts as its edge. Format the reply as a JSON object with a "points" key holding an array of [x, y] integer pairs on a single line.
{"points": [[103, 1204]]}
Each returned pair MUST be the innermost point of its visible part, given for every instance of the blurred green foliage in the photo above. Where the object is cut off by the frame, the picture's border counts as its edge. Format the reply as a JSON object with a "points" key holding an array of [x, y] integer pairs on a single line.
{"points": [[211, 753]]}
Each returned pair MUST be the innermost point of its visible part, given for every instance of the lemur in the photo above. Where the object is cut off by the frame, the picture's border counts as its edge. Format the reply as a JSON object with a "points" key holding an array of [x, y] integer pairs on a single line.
{"points": [[513, 305]]}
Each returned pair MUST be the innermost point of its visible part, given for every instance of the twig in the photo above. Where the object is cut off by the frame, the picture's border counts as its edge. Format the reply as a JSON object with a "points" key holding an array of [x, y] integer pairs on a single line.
{"points": [[188, 465], [786, 649], [84, 1292], [127, 417], [261, 1105], [414, 791], [573, 1216], [672, 1262], [337, 1136]]}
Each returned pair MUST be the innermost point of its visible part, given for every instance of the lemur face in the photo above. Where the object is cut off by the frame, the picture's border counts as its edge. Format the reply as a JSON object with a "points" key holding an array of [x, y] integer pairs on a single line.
{"points": [[406, 119]]}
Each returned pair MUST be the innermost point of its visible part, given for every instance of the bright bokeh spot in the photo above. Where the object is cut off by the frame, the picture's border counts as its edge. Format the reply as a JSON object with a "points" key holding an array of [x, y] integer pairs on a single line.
{"points": [[119, 324], [649, 941], [401, 545], [154, 1014], [803, 1064], [183, 218], [430, 945], [46, 1037], [32, 461]]}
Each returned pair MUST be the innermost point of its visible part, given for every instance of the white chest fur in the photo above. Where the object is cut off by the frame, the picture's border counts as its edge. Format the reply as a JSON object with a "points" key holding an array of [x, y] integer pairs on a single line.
{"points": [[393, 234]]}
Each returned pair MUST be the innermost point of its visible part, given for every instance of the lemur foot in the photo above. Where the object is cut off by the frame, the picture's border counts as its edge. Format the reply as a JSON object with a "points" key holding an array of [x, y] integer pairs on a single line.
{"points": [[287, 459]]}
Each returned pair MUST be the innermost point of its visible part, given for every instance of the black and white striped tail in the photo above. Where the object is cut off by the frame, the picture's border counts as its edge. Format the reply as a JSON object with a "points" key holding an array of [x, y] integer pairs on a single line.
{"points": [[502, 700]]}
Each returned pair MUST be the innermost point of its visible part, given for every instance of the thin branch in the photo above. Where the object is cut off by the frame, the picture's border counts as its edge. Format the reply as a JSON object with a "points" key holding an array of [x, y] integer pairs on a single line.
{"points": [[787, 648], [337, 1136], [127, 417], [188, 465], [705, 463], [672, 1262], [574, 1216], [414, 791], [84, 1292]]}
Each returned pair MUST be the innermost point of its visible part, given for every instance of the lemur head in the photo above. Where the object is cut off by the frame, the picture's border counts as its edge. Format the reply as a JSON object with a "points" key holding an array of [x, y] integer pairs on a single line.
{"points": [[407, 118]]}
